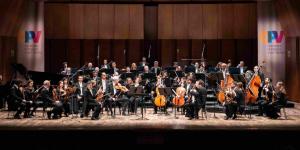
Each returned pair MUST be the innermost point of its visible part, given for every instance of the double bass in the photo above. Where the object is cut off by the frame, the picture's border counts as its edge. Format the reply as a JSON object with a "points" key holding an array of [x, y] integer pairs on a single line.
{"points": [[252, 89], [225, 84]]}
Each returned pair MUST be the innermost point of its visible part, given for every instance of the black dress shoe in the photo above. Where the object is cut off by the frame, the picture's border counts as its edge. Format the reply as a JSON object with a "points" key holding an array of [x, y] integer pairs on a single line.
{"points": [[226, 118], [234, 117], [95, 118], [190, 118], [17, 117]]}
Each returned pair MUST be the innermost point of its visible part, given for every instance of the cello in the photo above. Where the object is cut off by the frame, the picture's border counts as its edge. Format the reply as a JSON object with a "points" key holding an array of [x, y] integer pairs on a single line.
{"points": [[160, 100], [252, 89], [178, 100]]}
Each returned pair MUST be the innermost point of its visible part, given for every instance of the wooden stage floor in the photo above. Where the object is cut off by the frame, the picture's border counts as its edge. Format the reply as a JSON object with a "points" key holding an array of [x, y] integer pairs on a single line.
{"points": [[158, 121]]}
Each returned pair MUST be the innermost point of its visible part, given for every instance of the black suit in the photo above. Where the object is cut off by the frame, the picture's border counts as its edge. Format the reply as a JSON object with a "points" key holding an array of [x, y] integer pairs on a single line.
{"points": [[91, 103], [121, 99], [156, 70], [46, 96], [240, 99], [17, 100], [30, 102], [199, 100], [79, 93]]}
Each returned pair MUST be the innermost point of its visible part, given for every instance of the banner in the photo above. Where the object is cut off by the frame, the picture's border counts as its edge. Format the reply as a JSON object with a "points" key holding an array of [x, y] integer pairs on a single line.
{"points": [[31, 37], [271, 42]]}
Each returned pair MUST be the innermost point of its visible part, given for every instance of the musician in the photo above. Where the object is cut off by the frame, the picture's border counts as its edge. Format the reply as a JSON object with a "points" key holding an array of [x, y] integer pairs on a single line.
{"points": [[156, 69], [267, 93], [146, 69], [240, 97], [224, 70], [51, 99], [61, 92], [258, 72], [91, 103], [89, 69], [114, 67], [63, 70], [242, 67], [97, 69], [30, 102], [105, 65], [199, 68], [230, 103], [134, 100], [95, 77], [218, 66], [118, 96], [17, 99], [133, 67], [127, 70], [279, 98], [80, 89], [143, 62], [197, 100], [229, 63]]}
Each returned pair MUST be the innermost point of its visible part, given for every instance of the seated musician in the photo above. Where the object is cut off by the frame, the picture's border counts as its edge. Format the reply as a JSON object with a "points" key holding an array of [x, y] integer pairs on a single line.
{"points": [[230, 103], [95, 77], [279, 98], [17, 101], [242, 67], [30, 102], [105, 65], [127, 70], [51, 99], [133, 67], [162, 82], [117, 96], [240, 97], [146, 69], [143, 62], [80, 89], [114, 67], [267, 93], [66, 103], [156, 69], [64, 68], [134, 100], [197, 99], [91, 102]]}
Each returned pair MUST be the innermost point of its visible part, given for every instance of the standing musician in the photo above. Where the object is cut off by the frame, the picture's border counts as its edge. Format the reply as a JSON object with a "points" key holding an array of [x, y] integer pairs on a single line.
{"points": [[258, 72], [51, 99], [91, 102], [17, 98], [197, 99], [230, 103]]}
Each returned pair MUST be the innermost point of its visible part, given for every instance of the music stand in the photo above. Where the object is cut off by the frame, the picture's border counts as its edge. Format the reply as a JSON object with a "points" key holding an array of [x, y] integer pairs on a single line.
{"points": [[215, 77], [107, 71], [139, 91]]}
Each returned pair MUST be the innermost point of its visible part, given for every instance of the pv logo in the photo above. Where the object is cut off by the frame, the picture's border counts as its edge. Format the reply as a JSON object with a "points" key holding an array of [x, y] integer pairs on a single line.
{"points": [[32, 36], [271, 37]]}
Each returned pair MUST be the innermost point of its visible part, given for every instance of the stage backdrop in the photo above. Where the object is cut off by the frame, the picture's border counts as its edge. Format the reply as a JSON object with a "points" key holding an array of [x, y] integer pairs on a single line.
{"points": [[31, 37], [271, 42]]}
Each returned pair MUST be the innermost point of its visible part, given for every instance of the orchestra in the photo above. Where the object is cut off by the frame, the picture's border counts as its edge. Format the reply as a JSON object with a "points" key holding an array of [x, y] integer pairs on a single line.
{"points": [[108, 88]]}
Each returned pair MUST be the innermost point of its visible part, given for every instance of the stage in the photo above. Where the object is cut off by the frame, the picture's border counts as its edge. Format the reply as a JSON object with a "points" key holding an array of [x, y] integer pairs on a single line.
{"points": [[159, 121]]}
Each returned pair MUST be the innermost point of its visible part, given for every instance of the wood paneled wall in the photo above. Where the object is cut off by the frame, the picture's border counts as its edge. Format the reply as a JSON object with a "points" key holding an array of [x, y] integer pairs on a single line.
{"points": [[94, 21], [11, 12], [79, 52], [207, 21], [8, 47]]}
